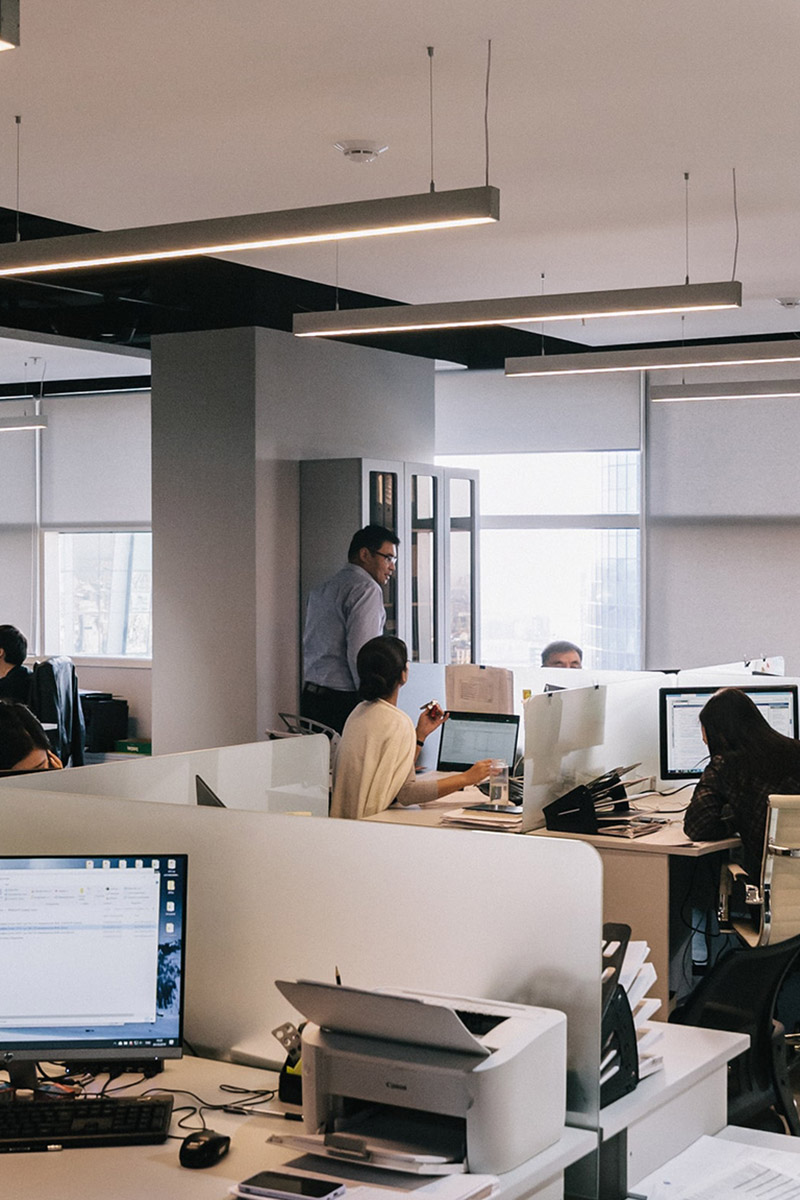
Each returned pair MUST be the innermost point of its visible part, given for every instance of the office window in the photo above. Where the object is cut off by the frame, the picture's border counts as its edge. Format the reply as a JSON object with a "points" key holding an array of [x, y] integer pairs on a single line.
{"points": [[98, 593], [560, 556]]}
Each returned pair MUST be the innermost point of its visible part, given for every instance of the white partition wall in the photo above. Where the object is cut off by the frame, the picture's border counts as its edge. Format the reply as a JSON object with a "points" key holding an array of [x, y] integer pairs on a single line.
{"points": [[479, 914], [287, 775], [574, 735]]}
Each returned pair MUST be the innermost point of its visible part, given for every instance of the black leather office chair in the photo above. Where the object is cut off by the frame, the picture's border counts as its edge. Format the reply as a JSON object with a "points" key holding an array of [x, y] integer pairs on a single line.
{"points": [[55, 701], [739, 994]]}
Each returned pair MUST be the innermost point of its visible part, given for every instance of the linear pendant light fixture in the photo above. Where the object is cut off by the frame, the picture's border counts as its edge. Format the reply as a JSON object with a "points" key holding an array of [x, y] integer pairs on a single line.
{"points": [[765, 389], [665, 358], [9, 24], [290, 227], [519, 310], [8, 424]]}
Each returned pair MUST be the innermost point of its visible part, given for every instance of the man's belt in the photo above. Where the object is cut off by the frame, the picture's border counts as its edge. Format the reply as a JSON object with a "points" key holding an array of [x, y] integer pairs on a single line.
{"points": [[318, 689]]}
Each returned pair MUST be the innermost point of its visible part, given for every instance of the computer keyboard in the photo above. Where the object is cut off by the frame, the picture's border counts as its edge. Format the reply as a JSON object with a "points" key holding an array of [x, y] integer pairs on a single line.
{"points": [[83, 1121]]}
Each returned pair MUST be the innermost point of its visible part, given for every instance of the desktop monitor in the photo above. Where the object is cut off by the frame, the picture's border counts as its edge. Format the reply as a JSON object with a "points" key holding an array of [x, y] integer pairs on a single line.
{"points": [[683, 752], [92, 961]]}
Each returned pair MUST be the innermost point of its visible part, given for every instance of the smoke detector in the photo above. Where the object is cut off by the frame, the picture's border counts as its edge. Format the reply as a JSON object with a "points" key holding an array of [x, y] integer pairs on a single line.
{"points": [[360, 151], [788, 301]]}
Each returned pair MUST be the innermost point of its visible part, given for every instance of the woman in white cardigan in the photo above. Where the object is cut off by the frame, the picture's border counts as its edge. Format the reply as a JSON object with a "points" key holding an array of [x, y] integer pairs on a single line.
{"points": [[379, 747]]}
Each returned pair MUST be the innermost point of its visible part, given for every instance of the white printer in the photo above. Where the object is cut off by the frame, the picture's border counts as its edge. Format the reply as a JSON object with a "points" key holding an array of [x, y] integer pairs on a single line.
{"points": [[428, 1083]]}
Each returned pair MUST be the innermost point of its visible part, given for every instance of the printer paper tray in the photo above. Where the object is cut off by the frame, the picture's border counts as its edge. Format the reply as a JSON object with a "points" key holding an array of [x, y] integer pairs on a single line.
{"points": [[378, 1152]]}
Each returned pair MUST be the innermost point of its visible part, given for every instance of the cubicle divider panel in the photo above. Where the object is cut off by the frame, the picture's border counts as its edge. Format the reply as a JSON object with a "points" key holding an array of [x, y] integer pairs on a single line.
{"points": [[470, 913], [574, 735], [287, 775]]}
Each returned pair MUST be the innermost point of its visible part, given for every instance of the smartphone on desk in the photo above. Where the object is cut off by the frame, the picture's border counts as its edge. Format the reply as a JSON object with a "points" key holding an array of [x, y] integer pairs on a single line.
{"points": [[290, 1187]]}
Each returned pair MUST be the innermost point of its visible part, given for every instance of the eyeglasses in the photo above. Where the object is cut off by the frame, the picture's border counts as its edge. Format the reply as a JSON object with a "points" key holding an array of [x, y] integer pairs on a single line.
{"points": [[391, 558]]}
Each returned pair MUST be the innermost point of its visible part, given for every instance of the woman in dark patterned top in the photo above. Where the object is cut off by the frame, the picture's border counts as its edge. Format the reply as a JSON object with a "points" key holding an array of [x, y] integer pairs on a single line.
{"points": [[749, 761]]}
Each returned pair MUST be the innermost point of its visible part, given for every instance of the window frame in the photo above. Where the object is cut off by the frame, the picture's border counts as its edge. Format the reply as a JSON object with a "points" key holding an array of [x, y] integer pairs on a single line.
{"points": [[583, 521], [50, 621]]}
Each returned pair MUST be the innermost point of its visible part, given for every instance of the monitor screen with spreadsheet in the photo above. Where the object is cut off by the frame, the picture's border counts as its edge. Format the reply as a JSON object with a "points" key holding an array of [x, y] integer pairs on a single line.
{"points": [[683, 752], [93, 958]]}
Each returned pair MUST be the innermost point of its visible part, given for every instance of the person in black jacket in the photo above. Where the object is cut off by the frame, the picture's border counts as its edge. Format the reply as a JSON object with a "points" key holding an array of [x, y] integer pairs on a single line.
{"points": [[15, 679]]}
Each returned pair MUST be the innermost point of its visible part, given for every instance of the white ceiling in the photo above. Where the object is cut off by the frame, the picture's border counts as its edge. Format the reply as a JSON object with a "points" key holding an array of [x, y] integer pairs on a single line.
{"points": [[162, 110]]}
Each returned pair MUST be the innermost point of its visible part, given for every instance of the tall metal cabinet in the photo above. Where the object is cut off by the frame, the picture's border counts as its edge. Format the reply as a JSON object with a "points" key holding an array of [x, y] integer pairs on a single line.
{"points": [[432, 600]]}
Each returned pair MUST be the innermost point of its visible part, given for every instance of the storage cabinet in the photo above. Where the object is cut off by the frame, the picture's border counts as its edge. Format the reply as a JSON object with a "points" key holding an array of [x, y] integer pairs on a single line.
{"points": [[431, 601]]}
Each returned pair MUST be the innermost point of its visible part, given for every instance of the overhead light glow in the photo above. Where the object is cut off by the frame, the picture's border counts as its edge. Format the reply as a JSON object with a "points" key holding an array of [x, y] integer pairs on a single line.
{"points": [[520, 310], [764, 389], [9, 24], [9, 424], [666, 358], [255, 231]]}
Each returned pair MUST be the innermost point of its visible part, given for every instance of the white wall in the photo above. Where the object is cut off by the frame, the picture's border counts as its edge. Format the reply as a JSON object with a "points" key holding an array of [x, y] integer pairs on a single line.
{"points": [[233, 411], [318, 399]]}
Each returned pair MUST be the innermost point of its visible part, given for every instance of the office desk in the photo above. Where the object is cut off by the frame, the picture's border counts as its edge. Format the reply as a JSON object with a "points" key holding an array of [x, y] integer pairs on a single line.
{"points": [[670, 1109], [644, 879], [153, 1172]]}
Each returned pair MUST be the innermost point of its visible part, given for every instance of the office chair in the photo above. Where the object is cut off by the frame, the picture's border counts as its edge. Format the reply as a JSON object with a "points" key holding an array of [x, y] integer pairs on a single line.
{"points": [[739, 994], [297, 726], [55, 700], [773, 902]]}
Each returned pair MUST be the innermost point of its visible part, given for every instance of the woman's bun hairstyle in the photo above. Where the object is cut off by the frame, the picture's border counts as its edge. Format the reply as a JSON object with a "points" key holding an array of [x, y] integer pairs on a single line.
{"points": [[380, 664]]}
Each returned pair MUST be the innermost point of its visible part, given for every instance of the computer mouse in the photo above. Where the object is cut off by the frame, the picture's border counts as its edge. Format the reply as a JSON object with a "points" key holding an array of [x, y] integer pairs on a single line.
{"points": [[203, 1148]]}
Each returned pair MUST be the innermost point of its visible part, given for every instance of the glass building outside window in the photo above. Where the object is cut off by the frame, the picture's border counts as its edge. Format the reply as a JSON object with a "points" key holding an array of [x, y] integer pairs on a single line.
{"points": [[560, 552]]}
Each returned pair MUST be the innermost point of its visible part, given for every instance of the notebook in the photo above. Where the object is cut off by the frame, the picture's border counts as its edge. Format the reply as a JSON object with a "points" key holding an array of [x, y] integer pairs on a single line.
{"points": [[468, 737]]}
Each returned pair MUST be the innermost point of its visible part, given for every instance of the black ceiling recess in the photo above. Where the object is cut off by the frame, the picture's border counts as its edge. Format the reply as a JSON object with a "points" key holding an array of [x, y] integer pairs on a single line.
{"points": [[127, 305]]}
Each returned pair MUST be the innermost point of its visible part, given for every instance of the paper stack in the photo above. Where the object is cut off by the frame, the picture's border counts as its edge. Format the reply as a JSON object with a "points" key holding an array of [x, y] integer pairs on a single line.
{"points": [[472, 818], [637, 976]]}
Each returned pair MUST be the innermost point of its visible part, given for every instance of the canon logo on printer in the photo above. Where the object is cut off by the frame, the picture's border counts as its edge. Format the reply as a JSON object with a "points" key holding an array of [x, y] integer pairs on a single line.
{"points": [[396, 1087]]}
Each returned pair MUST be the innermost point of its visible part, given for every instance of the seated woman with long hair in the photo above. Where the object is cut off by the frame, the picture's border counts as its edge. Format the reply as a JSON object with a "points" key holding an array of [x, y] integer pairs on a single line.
{"points": [[23, 743], [749, 761], [375, 760]]}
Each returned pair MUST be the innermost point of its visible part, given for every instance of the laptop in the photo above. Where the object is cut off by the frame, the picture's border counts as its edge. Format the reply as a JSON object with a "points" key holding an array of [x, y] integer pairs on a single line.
{"points": [[468, 737]]}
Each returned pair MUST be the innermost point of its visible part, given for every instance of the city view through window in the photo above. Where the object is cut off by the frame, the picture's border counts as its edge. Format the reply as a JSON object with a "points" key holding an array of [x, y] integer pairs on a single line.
{"points": [[560, 549]]}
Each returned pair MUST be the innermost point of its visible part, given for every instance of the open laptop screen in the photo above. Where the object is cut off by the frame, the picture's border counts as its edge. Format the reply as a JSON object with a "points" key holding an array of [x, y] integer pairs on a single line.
{"points": [[468, 737]]}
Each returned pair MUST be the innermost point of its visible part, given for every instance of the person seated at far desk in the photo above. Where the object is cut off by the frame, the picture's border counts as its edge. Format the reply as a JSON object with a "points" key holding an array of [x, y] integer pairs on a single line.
{"points": [[375, 760], [15, 678], [23, 742], [562, 654], [749, 761]]}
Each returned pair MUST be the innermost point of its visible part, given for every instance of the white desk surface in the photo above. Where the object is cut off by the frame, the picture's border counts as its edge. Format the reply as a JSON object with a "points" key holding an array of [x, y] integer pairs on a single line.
{"points": [[690, 1055], [666, 839], [136, 1172], [760, 1139]]}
